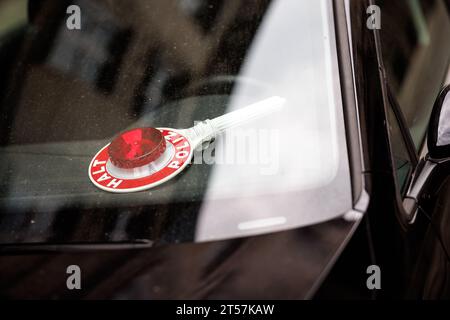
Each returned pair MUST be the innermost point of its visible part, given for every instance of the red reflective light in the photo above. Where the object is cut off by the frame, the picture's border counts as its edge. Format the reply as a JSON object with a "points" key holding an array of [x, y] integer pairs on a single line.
{"points": [[136, 147]]}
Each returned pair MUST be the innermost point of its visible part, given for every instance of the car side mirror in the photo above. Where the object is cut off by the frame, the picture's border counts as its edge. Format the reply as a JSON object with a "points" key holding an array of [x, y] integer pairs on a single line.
{"points": [[439, 127]]}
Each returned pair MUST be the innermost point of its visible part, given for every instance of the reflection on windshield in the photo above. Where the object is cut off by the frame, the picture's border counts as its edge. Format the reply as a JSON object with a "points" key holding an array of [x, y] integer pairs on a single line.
{"points": [[170, 64]]}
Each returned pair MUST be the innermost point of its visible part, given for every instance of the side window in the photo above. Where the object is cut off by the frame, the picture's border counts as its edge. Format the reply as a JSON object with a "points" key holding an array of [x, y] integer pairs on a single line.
{"points": [[416, 51]]}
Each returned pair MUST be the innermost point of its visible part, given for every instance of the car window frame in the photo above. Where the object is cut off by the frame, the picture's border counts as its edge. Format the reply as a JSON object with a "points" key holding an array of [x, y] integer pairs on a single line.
{"points": [[389, 102]]}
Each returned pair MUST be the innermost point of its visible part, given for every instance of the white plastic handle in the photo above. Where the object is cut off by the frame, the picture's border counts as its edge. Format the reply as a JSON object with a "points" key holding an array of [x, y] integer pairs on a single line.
{"points": [[208, 129], [251, 112]]}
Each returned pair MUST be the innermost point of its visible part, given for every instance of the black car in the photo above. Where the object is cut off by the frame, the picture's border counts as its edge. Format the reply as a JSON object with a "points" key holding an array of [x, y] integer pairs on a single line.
{"points": [[343, 192]]}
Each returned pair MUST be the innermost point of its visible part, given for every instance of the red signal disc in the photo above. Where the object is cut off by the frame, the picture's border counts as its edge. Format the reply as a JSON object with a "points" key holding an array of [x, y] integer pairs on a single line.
{"points": [[104, 179]]}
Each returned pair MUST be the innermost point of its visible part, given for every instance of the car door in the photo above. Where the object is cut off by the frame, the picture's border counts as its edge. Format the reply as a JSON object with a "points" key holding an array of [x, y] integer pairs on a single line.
{"points": [[414, 57]]}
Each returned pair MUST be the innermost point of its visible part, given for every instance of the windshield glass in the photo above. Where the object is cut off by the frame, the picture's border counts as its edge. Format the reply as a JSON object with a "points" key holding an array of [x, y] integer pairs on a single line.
{"points": [[69, 86]]}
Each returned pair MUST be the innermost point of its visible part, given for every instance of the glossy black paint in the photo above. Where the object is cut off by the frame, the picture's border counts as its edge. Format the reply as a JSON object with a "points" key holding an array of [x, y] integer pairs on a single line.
{"points": [[279, 265], [429, 278]]}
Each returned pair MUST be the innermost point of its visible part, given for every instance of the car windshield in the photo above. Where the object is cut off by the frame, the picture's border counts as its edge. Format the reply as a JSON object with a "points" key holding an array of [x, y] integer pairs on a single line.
{"points": [[73, 77]]}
